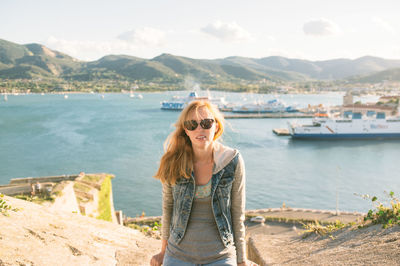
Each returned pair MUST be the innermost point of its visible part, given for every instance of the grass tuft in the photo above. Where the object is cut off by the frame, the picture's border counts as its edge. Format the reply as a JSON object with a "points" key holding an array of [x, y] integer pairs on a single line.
{"points": [[322, 230]]}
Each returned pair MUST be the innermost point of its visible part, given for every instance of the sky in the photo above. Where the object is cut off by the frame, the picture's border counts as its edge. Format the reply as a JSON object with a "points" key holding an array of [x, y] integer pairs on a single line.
{"points": [[204, 29]]}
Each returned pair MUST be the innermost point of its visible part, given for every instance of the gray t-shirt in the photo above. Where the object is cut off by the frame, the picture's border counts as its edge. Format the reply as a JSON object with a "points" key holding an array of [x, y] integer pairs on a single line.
{"points": [[202, 242]]}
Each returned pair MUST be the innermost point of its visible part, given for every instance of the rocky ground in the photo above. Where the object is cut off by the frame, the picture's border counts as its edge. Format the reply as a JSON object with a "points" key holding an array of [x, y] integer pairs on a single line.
{"points": [[39, 235], [35, 235]]}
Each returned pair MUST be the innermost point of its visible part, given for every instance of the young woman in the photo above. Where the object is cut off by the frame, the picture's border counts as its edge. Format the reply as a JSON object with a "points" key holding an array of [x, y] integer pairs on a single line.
{"points": [[203, 193]]}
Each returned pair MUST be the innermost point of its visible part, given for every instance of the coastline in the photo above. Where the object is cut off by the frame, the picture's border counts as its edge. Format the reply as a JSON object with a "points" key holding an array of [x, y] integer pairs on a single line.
{"points": [[295, 92]]}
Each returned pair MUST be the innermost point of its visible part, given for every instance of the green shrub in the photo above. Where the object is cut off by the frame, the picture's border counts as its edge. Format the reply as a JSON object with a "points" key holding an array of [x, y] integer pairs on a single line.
{"points": [[150, 229], [39, 199], [4, 207], [387, 216]]}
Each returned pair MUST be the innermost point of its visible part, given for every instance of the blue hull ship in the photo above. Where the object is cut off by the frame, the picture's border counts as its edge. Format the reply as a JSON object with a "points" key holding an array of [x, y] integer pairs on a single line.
{"points": [[272, 106], [354, 127], [179, 103]]}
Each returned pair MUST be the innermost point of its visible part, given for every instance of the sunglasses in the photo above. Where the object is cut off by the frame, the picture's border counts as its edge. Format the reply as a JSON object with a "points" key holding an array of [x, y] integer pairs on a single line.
{"points": [[192, 124]]}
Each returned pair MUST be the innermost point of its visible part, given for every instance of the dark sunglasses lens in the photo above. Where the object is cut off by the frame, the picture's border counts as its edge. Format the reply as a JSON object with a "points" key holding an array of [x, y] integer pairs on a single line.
{"points": [[190, 125], [206, 123]]}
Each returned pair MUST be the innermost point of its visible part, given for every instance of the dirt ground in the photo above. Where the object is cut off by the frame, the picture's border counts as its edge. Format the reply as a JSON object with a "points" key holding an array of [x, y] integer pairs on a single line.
{"points": [[280, 244]]}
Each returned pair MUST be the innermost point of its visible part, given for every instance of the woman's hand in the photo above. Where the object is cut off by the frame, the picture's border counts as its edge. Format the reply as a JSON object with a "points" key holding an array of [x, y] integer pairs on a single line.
{"points": [[157, 259], [247, 263]]}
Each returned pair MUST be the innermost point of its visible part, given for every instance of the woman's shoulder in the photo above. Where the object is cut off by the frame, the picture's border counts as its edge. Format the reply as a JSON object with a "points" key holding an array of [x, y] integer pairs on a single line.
{"points": [[220, 147], [223, 155]]}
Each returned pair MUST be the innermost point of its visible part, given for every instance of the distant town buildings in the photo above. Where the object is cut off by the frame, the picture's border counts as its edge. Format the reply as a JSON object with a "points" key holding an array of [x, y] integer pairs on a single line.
{"points": [[386, 104], [348, 98]]}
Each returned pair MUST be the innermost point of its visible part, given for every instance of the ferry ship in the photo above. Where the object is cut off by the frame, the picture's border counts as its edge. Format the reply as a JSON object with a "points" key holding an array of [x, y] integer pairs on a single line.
{"points": [[272, 106], [348, 126], [179, 103]]}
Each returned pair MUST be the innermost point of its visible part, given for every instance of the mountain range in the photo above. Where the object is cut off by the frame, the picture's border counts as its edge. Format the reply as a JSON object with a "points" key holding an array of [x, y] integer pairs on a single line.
{"points": [[31, 61]]}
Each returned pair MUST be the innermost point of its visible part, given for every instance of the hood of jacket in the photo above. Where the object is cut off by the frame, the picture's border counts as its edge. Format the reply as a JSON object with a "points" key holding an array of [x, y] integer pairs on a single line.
{"points": [[222, 156]]}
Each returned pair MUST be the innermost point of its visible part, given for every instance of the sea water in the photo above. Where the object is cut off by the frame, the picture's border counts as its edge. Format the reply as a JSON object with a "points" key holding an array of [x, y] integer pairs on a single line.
{"points": [[44, 135]]}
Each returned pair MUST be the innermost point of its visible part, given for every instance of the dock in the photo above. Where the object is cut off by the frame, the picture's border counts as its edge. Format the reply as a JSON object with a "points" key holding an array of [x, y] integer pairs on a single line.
{"points": [[281, 132], [268, 115]]}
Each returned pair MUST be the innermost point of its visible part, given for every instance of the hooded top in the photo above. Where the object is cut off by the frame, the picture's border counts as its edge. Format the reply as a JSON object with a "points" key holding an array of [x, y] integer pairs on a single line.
{"points": [[222, 156]]}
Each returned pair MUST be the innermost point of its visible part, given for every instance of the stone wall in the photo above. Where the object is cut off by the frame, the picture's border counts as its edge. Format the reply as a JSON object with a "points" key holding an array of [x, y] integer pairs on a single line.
{"points": [[16, 189], [18, 186], [32, 180]]}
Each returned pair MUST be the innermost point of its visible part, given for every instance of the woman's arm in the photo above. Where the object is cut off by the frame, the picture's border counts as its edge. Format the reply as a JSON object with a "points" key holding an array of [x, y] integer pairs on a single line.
{"points": [[238, 210], [167, 203]]}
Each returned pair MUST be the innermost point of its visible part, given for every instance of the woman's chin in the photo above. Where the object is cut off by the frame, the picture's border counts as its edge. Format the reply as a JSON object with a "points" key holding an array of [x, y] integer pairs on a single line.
{"points": [[201, 143]]}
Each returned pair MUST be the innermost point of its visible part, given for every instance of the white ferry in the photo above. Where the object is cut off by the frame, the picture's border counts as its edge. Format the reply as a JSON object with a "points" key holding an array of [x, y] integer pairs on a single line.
{"points": [[179, 103], [349, 126], [272, 106]]}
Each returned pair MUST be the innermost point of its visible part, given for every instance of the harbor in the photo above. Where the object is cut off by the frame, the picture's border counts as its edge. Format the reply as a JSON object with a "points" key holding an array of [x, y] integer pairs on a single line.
{"points": [[50, 135]]}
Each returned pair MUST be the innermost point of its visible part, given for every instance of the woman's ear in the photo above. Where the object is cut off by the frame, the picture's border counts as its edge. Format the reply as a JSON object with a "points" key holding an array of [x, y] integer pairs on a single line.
{"points": [[185, 134]]}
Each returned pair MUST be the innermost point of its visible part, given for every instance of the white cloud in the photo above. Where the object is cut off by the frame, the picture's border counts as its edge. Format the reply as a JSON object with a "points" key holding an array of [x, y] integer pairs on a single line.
{"points": [[320, 27], [144, 36], [228, 32], [383, 24], [86, 50], [144, 42]]}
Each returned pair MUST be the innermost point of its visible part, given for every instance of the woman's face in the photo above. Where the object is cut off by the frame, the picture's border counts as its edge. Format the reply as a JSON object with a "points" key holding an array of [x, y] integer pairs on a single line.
{"points": [[201, 137]]}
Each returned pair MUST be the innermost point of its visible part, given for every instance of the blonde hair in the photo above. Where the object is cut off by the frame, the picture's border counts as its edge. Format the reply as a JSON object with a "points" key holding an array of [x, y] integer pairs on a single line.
{"points": [[177, 160]]}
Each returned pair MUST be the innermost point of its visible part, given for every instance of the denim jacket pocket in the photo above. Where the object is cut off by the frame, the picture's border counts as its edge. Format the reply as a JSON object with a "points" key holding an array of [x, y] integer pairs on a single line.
{"points": [[226, 181]]}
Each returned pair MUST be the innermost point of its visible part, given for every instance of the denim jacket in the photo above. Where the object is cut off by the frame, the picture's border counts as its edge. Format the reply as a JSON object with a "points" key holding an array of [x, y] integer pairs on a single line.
{"points": [[227, 197]]}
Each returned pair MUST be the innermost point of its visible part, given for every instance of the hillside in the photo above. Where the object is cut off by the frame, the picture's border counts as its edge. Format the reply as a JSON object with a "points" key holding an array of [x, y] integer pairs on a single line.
{"points": [[387, 75], [32, 61]]}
